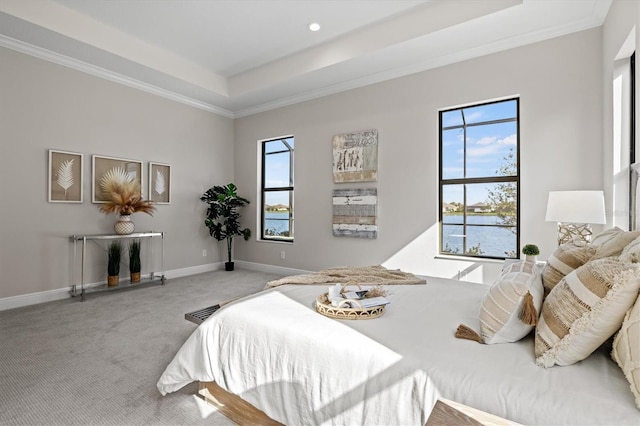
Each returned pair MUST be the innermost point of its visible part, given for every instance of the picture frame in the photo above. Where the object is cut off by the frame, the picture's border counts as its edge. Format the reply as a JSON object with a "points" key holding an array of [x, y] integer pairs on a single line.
{"points": [[355, 156], [355, 213], [160, 183], [102, 165], [65, 178]]}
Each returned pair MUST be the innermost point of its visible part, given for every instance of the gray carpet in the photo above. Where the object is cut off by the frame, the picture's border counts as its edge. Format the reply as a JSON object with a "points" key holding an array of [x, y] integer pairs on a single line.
{"points": [[97, 362]]}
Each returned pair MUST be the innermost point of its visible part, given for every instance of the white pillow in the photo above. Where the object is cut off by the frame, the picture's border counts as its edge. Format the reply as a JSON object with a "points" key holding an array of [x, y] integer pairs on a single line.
{"points": [[584, 310], [604, 236], [615, 245], [510, 307], [626, 349], [631, 253]]}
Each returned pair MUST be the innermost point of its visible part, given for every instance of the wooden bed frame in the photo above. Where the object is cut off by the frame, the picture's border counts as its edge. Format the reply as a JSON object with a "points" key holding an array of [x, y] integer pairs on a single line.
{"points": [[445, 412], [232, 406]]}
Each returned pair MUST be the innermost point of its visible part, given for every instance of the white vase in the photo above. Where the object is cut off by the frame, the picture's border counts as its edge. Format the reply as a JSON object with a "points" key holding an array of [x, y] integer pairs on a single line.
{"points": [[124, 226], [530, 258]]}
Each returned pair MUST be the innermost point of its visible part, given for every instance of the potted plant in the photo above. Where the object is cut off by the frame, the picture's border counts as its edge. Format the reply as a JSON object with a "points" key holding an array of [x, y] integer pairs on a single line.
{"points": [[123, 197], [530, 251], [113, 264], [222, 218], [134, 261]]}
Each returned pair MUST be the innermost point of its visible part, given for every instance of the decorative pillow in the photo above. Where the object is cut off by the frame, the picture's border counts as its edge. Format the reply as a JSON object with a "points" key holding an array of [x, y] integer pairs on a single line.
{"points": [[626, 349], [615, 245], [584, 310], [510, 307], [565, 259], [631, 253], [604, 236]]}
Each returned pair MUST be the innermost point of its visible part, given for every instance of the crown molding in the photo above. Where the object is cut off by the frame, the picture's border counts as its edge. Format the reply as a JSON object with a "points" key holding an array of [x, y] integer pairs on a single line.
{"points": [[594, 20], [476, 52], [56, 58]]}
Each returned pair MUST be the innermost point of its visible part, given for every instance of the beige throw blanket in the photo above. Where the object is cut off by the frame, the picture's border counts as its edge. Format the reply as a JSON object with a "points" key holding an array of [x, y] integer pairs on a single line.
{"points": [[364, 275]]}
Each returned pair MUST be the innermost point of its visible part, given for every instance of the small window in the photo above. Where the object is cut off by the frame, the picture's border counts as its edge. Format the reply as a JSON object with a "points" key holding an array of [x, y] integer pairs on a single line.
{"points": [[277, 189], [479, 180]]}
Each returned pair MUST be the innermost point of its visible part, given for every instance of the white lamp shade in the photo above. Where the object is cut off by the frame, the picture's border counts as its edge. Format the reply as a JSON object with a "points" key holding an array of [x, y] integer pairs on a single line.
{"points": [[576, 207]]}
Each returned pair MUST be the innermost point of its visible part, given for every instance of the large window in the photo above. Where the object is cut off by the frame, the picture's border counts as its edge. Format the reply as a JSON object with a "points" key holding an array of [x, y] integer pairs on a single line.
{"points": [[277, 189], [479, 184]]}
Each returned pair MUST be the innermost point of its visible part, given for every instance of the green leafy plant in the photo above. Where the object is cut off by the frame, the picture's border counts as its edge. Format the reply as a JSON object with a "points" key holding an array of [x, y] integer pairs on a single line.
{"points": [[134, 256], [114, 253], [531, 250], [223, 218]]}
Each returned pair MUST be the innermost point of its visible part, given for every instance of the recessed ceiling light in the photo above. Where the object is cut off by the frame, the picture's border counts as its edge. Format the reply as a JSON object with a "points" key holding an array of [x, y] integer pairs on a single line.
{"points": [[314, 26]]}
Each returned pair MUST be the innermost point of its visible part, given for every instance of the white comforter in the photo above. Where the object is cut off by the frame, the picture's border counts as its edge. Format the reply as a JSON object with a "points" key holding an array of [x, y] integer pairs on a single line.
{"points": [[301, 368]]}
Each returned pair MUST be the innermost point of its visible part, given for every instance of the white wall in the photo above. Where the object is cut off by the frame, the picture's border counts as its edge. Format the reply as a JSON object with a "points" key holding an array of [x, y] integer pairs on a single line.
{"points": [[565, 92], [559, 82], [619, 40], [45, 106]]}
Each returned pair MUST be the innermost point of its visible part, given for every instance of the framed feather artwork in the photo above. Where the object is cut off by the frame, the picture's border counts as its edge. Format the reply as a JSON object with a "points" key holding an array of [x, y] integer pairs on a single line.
{"points": [[65, 177], [104, 166], [160, 183]]}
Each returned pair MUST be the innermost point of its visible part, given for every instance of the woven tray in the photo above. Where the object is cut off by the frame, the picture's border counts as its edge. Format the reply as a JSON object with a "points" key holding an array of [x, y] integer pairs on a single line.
{"points": [[324, 307]]}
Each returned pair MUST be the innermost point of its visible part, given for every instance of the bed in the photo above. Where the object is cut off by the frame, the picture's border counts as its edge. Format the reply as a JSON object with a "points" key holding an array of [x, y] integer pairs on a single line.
{"points": [[274, 351]]}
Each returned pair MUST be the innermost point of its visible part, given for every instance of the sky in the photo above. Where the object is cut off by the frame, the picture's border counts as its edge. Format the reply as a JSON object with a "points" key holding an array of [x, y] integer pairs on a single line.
{"points": [[487, 147], [277, 169]]}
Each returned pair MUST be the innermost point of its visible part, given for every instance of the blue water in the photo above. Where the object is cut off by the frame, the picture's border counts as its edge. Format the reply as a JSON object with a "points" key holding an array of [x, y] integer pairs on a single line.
{"points": [[274, 222], [493, 241]]}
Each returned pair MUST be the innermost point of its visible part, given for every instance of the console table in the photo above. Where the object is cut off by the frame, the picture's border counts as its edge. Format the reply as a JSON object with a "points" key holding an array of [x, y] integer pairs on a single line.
{"points": [[76, 239]]}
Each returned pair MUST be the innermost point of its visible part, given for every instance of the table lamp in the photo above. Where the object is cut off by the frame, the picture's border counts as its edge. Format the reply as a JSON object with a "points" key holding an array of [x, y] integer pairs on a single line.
{"points": [[575, 211]]}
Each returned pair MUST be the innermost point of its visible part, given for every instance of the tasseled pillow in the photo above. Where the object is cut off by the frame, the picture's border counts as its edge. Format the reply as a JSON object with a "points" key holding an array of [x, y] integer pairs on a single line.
{"points": [[509, 309]]}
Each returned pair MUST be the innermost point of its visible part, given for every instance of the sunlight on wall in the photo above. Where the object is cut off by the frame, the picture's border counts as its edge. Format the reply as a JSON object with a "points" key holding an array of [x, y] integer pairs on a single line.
{"points": [[621, 133], [420, 257]]}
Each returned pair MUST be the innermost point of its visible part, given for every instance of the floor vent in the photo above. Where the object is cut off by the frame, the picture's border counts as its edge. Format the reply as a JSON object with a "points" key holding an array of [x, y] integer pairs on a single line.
{"points": [[201, 315]]}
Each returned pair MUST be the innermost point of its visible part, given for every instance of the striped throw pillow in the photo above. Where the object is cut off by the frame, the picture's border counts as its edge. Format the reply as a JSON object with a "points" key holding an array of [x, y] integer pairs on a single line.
{"points": [[565, 259], [626, 349], [502, 306], [584, 310]]}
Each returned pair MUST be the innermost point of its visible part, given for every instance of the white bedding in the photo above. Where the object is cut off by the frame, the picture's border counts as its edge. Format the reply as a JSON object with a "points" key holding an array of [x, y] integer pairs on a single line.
{"points": [[299, 367]]}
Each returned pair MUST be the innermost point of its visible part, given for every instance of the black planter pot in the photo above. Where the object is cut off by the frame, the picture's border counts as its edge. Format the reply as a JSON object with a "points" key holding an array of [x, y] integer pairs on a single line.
{"points": [[228, 266]]}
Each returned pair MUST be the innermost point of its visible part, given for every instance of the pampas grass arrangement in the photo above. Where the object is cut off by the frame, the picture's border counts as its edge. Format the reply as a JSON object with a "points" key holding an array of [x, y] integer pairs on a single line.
{"points": [[123, 194]]}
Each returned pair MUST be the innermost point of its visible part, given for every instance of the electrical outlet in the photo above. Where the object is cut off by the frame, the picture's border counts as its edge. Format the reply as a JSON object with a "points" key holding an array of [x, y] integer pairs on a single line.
{"points": [[282, 255], [204, 253]]}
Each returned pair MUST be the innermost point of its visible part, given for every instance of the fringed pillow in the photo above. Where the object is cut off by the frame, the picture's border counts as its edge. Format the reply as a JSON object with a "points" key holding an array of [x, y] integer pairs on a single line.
{"points": [[615, 245], [565, 259], [584, 310], [631, 253], [626, 349], [605, 236], [509, 309]]}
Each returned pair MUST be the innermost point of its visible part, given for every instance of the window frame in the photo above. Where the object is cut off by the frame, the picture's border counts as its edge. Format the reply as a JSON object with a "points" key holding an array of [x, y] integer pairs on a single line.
{"points": [[632, 142], [477, 180], [264, 190]]}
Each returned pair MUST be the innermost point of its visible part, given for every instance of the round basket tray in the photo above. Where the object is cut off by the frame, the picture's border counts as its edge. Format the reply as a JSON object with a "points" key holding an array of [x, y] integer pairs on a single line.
{"points": [[324, 307]]}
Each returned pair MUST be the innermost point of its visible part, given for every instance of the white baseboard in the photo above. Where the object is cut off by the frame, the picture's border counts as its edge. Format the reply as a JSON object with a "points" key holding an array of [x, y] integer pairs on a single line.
{"points": [[34, 298], [62, 293], [192, 270], [261, 267]]}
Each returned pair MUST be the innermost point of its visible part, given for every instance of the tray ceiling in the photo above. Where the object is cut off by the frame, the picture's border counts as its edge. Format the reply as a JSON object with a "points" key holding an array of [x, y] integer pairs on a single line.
{"points": [[239, 57]]}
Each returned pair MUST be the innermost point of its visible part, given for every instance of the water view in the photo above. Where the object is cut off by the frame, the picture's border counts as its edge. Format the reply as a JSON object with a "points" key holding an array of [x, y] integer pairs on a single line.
{"points": [[481, 239], [485, 240], [276, 223]]}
